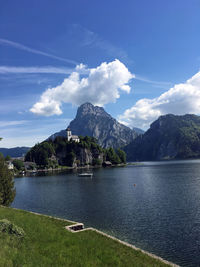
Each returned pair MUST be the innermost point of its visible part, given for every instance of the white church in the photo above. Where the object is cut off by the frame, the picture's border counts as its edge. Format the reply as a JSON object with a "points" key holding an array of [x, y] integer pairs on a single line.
{"points": [[74, 138]]}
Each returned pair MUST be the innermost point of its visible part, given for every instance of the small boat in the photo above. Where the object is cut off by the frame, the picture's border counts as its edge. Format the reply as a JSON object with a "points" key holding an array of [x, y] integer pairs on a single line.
{"points": [[85, 174]]}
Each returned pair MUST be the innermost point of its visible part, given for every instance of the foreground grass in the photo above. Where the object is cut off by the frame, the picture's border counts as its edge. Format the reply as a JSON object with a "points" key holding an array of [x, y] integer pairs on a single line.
{"points": [[47, 243]]}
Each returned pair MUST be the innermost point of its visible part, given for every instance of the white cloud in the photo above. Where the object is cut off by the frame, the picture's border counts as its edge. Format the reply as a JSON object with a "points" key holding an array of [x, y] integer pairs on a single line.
{"points": [[101, 86], [181, 99]]}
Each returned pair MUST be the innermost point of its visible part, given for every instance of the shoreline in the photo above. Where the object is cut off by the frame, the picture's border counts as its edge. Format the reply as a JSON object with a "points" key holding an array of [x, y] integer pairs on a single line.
{"points": [[73, 223], [65, 168]]}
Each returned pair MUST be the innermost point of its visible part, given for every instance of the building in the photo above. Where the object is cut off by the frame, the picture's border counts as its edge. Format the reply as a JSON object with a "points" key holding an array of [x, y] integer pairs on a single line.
{"points": [[10, 165], [74, 138]]}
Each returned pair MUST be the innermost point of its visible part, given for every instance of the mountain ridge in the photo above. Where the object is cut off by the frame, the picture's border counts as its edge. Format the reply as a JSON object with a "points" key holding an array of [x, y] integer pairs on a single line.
{"points": [[169, 137]]}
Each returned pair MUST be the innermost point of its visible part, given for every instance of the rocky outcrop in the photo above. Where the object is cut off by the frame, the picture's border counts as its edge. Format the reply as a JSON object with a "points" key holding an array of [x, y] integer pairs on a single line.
{"points": [[82, 157], [169, 137], [95, 122]]}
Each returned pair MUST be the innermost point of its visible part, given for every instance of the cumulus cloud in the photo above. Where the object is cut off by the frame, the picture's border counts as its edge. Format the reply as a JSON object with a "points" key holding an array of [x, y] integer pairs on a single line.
{"points": [[102, 85], [181, 99]]}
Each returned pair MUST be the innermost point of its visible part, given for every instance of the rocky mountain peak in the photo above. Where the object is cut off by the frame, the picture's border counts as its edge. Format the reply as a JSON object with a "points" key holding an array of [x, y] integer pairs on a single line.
{"points": [[89, 109], [94, 121]]}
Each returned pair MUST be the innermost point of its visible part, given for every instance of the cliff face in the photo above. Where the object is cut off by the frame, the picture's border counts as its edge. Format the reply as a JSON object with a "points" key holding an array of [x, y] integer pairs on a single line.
{"points": [[83, 156], [169, 137], [95, 122], [67, 153]]}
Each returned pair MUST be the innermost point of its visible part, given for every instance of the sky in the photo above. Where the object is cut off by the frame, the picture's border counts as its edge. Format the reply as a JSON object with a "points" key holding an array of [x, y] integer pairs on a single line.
{"points": [[138, 59]]}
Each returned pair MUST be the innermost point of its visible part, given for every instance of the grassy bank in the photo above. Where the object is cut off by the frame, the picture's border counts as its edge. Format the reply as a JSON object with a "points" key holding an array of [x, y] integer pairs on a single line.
{"points": [[48, 243]]}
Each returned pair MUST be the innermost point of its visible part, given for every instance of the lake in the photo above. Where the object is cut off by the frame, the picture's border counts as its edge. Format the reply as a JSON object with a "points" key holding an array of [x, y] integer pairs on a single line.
{"points": [[154, 205]]}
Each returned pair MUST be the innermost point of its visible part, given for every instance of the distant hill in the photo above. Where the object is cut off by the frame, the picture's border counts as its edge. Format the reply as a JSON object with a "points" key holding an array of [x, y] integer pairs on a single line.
{"points": [[169, 137], [15, 151], [138, 130], [94, 121]]}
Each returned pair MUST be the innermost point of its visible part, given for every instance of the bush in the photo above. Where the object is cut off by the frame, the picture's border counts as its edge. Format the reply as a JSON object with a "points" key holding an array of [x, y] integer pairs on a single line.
{"points": [[10, 228]]}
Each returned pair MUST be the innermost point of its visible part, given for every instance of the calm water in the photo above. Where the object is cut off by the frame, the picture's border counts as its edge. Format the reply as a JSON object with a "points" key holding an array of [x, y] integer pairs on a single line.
{"points": [[161, 214]]}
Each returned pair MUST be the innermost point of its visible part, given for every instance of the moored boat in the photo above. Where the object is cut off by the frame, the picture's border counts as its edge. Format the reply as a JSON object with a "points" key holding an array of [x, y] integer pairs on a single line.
{"points": [[85, 174]]}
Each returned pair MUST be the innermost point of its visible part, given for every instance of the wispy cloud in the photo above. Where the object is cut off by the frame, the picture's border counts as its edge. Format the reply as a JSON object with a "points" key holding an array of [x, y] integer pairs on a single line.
{"points": [[81, 69], [12, 123], [45, 69], [34, 51], [146, 80], [34, 131], [92, 39]]}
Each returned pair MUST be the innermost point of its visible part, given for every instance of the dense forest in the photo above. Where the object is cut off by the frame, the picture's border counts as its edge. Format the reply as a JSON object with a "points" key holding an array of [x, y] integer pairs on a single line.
{"points": [[60, 151]]}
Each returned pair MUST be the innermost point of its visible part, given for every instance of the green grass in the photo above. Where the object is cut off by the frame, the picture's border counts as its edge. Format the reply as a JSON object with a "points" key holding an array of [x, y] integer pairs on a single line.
{"points": [[48, 243]]}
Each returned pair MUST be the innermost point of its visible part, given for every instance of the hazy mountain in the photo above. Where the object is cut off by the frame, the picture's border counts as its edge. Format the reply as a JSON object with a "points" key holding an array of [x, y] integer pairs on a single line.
{"points": [[96, 122], [138, 130], [169, 137], [15, 151]]}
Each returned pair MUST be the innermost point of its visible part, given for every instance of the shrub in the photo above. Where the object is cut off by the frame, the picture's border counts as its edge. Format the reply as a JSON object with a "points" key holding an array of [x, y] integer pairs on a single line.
{"points": [[10, 228]]}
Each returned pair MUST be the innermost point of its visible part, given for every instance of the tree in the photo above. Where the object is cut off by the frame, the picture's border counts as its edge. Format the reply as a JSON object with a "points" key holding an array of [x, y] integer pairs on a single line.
{"points": [[69, 159], [7, 190], [18, 164], [112, 156], [7, 158], [122, 155]]}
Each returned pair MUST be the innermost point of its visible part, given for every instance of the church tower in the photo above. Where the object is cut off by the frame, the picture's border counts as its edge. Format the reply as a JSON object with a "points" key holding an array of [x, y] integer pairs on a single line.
{"points": [[69, 134]]}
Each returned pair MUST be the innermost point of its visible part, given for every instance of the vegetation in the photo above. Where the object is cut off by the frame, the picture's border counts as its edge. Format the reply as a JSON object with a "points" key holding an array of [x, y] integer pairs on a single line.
{"points": [[48, 243], [10, 228], [18, 164], [62, 152], [7, 191], [169, 137], [7, 158]]}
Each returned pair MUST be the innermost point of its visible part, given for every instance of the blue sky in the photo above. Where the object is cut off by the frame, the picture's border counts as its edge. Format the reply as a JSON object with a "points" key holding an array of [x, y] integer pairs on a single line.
{"points": [[139, 59]]}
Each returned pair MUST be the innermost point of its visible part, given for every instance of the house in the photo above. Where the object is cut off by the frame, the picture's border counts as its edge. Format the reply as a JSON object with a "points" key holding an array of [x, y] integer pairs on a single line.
{"points": [[106, 164], [29, 165], [74, 138], [10, 165]]}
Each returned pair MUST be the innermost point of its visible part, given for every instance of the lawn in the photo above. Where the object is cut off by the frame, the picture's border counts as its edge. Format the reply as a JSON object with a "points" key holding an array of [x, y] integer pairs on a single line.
{"points": [[48, 243]]}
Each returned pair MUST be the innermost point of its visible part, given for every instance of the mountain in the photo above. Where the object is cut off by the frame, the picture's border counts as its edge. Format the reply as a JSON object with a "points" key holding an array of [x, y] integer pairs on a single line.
{"points": [[94, 121], [15, 151], [138, 130], [169, 137]]}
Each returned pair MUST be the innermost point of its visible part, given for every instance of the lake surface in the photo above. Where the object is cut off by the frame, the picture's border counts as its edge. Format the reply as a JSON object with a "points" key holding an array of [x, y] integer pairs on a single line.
{"points": [[160, 214]]}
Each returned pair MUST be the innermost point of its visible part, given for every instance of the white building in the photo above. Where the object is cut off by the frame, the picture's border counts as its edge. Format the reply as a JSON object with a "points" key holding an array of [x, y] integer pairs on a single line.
{"points": [[10, 165], [74, 138]]}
